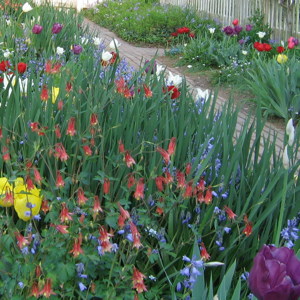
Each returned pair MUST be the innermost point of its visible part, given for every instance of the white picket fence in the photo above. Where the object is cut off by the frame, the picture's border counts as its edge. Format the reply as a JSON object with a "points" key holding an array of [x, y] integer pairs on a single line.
{"points": [[78, 4], [228, 10]]}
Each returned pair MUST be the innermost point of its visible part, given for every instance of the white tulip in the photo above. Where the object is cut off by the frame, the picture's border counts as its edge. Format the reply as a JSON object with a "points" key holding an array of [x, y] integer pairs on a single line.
{"points": [[202, 94], [244, 52], [60, 50], [8, 22], [291, 137], [26, 7], [7, 53], [211, 30], [106, 56], [285, 158], [289, 127], [175, 80], [97, 41], [114, 44], [261, 34], [84, 41]]}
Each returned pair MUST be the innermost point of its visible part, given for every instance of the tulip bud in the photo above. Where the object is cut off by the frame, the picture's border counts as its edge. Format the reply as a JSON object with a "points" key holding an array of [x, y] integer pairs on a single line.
{"points": [[37, 29]]}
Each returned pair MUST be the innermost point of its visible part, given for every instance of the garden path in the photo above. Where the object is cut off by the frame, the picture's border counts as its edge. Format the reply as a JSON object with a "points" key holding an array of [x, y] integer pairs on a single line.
{"points": [[136, 57]]}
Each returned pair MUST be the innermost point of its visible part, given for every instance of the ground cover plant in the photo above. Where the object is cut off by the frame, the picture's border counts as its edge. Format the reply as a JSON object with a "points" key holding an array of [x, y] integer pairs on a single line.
{"points": [[107, 194]]}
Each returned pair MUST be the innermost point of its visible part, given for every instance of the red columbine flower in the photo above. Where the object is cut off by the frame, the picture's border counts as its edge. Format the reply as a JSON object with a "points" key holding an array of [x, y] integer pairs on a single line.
{"points": [[94, 119], [81, 198], [57, 131], [188, 189], [68, 87], [64, 214], [6, 156], [9, 197], [172, 145], [60, 104], [60, 152], [56, 68], [138, 281], [35, 290], [208, 195], [181, 180], [129, 160], [159, 183], [29, 183], [37, 176], [124, 212], [71, 127], [160, 210], [22, 67], [59, 180], [45, 206], [249, 225], [121, 146], [34, 126], [280, 49], [44, 94], [22, 241], [48, 66], [47, 291], [97, 208], [106, 186], [87, 150], [131, 181], [121, 221], [104, 239], [139, 190], [120, 85], [169, 178], [230, 213], [204, 254], [165, 155], [76, 248], [188, 168], [135, 235], [61, 228], [147, 90]]}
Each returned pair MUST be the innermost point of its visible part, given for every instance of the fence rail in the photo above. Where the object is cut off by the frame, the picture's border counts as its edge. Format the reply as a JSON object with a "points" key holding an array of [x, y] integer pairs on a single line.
{"points": [[228, 10]]}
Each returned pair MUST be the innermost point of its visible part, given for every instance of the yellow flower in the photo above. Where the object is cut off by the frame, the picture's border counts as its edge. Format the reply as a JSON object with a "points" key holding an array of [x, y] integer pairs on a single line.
{"points": [[27, 203], [5, 186], [55, 92], [282, 58]]}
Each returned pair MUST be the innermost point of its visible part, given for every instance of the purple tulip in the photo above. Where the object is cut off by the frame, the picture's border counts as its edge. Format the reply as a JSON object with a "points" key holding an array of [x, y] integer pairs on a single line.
{"points": [[248, 27], [153, 70], [228, 30], [77, 49], [56, 28], [241, 42], [238, 28], [275, 274], [296, 42], [37, 29]]}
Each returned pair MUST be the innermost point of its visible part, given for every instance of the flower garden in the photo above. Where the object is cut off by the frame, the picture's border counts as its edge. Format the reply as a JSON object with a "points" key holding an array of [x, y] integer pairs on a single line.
{"points": [[117, 184]]}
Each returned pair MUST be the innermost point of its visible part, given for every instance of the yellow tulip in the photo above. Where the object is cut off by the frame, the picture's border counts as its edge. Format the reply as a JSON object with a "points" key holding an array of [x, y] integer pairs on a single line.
{"points": [[55, 92], [5, 186], [282, 58], [27, 203]]}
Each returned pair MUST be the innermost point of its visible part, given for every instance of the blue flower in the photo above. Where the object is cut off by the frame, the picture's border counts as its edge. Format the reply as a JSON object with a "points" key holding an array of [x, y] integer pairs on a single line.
{"points": [[82, 286]]}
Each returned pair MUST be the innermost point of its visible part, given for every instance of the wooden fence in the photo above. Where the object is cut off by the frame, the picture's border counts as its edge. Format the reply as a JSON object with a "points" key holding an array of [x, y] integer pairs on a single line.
{"points": [[228, 10]]}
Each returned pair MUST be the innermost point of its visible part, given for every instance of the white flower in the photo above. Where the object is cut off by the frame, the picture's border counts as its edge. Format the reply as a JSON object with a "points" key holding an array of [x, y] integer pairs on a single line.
{"points": [[202, 94], [33, 20], [212, 30], [175, 80], [285, 158], [282, 43], [84, 41], [291, 138], [106, 56], [184, 45], [7, 53], [244, 52], [289, 127], [60, 50], [26, 7], [8, 22], [261, 34], [22, 83], [189, 66], [97, 41], [213, 264], [114, 44]]}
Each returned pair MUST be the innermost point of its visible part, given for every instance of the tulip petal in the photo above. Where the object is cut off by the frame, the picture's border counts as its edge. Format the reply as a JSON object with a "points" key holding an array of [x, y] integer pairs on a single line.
{"points": [[282, 291]]}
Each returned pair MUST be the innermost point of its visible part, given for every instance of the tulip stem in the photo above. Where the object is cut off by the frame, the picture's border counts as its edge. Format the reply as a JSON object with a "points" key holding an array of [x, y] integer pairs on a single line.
{"points": [[279, 227]]}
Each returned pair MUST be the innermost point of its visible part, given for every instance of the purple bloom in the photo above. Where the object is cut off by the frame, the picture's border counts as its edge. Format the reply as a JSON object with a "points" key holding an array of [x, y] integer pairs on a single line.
{"points": [[228, 30], [238, 28], [275, 274], [241, 42], [37, 29], [152, 66], [77, 49], [296, 42], [82, 286], [249, 27], [56, 28]]}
